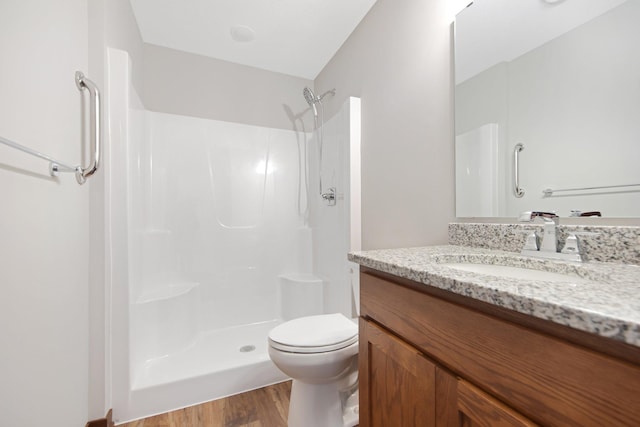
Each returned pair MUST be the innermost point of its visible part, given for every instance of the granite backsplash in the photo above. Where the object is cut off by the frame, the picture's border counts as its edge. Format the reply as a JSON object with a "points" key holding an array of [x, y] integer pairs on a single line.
{"points": [[620, 244]]}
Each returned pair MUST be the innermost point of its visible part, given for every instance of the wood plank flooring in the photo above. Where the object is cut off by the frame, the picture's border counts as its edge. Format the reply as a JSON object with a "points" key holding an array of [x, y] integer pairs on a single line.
{"points": [[265, 407]]}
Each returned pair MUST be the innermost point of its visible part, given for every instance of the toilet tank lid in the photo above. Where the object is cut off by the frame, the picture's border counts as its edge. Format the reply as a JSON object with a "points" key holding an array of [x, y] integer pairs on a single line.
{"points": [[315, 331]]}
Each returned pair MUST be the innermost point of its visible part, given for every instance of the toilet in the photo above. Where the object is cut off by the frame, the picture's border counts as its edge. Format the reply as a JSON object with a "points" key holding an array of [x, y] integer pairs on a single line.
{"points": [[320, 354]]}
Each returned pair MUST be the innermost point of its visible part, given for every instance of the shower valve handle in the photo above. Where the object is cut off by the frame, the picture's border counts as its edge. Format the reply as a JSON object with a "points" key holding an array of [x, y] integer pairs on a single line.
{"points": [[330, 196]]}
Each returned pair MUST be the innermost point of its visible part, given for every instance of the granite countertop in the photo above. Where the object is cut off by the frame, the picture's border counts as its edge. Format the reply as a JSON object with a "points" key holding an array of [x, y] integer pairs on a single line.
{"points": [[604, 298]]}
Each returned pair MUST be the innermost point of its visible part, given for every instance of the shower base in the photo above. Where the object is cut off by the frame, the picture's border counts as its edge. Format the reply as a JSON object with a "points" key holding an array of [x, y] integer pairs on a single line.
{"points": [[217, 364]]}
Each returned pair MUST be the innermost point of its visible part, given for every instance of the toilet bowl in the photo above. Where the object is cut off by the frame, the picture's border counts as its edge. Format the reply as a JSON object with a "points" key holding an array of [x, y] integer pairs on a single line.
{"points": [[320, 354]]}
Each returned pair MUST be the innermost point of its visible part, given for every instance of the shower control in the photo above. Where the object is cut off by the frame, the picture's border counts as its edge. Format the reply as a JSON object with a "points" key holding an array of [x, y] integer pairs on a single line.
{"points": [[330, 196]]}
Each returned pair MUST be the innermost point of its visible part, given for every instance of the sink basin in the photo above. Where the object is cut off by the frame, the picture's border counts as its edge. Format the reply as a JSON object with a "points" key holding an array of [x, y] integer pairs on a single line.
{"points": [[514, 272]]}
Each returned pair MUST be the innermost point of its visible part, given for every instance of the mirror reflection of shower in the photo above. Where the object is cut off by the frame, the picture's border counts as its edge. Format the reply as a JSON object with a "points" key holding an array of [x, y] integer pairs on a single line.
{"points": [[318, 117]]}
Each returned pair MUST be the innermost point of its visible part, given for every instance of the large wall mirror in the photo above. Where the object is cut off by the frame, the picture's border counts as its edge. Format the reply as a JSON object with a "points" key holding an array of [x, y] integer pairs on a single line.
{"points": [[548, 107]]}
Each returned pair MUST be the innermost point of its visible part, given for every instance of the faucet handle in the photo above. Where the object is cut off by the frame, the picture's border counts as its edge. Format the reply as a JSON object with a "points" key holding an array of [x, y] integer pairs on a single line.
{"points": [[572, 244], [532, 243]]}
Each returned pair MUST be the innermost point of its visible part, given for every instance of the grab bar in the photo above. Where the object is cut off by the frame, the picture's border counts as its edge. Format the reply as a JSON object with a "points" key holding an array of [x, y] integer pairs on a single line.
{"points": [[548, 192], [94, 127], [518, 191], [56, 166]]}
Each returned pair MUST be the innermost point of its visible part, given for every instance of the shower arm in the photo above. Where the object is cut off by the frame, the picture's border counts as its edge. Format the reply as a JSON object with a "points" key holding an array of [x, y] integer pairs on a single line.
{"points": [[330, 91]]}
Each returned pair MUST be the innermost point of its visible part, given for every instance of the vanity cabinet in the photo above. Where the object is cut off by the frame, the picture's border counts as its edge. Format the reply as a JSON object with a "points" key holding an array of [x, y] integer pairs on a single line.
{"points": [[433, 358], [405, 388]]}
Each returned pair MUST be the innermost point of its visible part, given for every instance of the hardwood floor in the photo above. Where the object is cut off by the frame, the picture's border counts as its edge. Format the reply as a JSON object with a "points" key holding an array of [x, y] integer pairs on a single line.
{"points": [[265, 407]]}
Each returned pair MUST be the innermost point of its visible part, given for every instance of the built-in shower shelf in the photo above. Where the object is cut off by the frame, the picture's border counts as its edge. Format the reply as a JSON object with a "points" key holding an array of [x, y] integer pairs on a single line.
{"points": [[166, 291]]}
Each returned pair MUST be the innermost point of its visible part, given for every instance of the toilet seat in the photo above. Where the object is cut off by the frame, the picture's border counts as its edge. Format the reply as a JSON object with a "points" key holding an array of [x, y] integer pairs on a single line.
{"points": [[314, 334], [313, 350]]}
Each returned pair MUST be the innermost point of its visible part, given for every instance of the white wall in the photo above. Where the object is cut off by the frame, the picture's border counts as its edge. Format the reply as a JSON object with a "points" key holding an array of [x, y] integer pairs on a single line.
{"points": [[43, 222], [398, 61], [197, 86], [112, 24]]}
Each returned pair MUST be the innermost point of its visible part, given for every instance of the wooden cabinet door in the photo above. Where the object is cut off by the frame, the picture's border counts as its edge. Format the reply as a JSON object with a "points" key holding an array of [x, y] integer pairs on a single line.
{"points": [[397, 383], [461, 404]]}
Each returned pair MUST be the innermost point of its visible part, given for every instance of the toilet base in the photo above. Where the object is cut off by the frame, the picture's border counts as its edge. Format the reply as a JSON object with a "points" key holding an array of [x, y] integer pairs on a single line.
{"points": [[351, 410], [319, 405]]}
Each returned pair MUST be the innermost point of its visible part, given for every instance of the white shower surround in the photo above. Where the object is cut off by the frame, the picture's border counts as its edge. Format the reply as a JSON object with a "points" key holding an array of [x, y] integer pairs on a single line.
{"points": [[205, 218]]}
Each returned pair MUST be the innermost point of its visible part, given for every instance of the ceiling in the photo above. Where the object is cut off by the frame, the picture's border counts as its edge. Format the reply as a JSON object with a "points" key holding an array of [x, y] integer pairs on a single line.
{"points": [[295, 37], [481, 29]]}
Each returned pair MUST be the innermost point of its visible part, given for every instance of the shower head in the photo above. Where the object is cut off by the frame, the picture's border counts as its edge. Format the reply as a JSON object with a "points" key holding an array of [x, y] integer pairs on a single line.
{"points": [[309, 96], [311, 99]]}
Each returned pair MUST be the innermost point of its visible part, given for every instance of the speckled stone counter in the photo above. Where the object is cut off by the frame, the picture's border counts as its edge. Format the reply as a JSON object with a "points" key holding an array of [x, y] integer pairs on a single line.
{"points": [[604, 298]]}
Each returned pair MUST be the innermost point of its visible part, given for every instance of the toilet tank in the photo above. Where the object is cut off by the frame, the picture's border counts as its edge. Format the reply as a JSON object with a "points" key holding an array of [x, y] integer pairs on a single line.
{"points": [[301, 295]]}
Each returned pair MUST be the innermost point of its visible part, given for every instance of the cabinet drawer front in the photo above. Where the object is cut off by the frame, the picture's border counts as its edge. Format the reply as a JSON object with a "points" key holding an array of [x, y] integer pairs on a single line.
{"points": [[548, 380]]}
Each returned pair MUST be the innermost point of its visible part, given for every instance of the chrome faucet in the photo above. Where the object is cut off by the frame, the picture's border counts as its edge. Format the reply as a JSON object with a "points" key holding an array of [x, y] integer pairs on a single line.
{"points": [[572, 250], [549, 235]]}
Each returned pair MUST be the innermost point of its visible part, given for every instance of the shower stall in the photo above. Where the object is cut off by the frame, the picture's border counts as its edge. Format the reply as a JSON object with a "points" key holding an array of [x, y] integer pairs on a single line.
{"points": [[216, 234]]}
